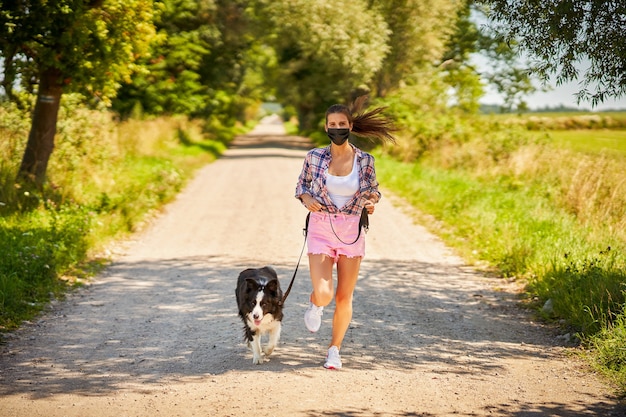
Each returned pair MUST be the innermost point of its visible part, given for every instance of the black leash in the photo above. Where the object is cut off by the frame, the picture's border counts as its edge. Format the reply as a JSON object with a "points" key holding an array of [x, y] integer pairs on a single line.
{"points": [[304, 231], [363, 223]]}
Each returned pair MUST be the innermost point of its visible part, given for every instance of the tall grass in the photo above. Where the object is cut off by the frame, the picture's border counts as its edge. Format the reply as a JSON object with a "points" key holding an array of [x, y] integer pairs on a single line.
{"points": [[104, 176], [608, 350], [520, 204]]}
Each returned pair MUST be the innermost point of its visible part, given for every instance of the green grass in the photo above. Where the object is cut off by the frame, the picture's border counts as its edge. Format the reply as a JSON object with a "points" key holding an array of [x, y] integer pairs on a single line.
{"points": [[36, 250], [591, 141], [550, 217], [589, 291], [106, 178], [608, 351], [515, 228]]}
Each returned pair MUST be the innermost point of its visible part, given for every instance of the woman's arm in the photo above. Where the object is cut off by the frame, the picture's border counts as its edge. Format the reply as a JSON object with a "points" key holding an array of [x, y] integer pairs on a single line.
{"points": [[304, 185]]}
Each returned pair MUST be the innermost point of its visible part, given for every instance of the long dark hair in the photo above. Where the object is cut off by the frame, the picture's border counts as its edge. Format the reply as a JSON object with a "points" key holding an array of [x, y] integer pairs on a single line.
{"points": [[371, 124]]}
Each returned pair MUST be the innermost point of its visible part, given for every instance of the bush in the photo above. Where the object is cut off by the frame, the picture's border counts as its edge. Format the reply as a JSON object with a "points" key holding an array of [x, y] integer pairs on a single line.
{"points": [[587, 291], [36, 250], [104, 178]]}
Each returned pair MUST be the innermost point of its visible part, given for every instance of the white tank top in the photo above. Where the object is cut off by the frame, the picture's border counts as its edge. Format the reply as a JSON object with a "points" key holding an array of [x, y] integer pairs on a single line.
{"points": [[342, 189]]}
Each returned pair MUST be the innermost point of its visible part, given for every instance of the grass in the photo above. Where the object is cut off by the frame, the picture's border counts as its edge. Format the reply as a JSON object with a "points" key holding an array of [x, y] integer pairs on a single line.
{"points": [[105, 179], [591, 141], [589, 291], [608, 351], [515, 228], [549, 213]]}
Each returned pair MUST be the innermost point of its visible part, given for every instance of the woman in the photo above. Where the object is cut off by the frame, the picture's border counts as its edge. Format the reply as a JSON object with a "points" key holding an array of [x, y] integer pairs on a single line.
{"points": [[336, 183]]}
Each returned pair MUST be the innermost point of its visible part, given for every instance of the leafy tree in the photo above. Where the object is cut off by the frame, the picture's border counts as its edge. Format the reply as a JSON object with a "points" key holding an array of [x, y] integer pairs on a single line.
{"points": [[53, 47], [170, 82], [325, 51], [418, 34], [232, 58], [504, 71], [508, 77], [459, 73], [199, 67], [562, 35]]}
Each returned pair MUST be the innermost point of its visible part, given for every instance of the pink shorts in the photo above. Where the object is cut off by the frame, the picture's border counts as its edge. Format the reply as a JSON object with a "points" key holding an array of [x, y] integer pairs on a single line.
{"points": [[331, 234]]}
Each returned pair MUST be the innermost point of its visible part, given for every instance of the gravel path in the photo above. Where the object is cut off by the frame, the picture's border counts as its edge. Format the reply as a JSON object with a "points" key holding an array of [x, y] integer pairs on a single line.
{"points": [[157, 334]]}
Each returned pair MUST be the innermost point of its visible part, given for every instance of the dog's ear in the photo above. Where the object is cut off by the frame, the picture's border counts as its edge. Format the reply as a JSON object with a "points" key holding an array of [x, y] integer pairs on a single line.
{"points": [[251, 284], [273, 287]]}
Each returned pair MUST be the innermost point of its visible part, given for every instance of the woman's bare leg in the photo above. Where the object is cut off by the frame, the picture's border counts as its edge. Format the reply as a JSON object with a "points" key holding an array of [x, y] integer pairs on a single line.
{"points": [[347, 276], [321, 270]]}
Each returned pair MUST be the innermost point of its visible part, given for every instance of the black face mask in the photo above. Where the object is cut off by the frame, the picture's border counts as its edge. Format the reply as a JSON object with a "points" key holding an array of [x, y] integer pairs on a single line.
{"points": [[338, 136]]}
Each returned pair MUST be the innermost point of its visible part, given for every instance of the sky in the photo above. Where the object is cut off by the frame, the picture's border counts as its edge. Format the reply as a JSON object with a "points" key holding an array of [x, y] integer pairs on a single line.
{"points": [[561, 95]]}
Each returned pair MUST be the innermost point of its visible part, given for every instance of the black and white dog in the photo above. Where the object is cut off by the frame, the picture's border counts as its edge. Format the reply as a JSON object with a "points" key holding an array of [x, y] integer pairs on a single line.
{"points": [[259, 299]]}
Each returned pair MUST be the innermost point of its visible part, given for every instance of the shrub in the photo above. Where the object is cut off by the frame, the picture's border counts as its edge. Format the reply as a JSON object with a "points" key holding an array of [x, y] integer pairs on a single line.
{"points": [[104, 177], [587, 291]]}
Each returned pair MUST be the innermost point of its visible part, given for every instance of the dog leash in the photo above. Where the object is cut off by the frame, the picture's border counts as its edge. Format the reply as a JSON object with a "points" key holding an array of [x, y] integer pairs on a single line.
{"points": [[364, 223], [304, 231]]}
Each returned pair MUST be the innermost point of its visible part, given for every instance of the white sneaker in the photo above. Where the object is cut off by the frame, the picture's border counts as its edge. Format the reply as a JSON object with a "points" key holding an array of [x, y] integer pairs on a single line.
{"points": [[333, 360], [313, 317]]}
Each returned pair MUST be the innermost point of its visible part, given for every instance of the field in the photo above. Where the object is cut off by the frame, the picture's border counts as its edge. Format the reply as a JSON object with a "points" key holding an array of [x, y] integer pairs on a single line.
{"points": [[591, 141], [544, 206]]}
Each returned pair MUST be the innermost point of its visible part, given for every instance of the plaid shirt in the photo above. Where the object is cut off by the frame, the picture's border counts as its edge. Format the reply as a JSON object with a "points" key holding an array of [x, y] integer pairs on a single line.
{"points": [[312, 181]]}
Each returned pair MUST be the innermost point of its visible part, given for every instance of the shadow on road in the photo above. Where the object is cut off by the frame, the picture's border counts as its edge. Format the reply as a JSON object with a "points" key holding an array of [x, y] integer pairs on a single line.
{"points": [[265, 141], [196, 333], [602, 409]]}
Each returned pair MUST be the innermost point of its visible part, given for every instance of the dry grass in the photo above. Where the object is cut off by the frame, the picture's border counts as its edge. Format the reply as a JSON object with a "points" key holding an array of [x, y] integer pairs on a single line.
{"points": [[592, 187]]}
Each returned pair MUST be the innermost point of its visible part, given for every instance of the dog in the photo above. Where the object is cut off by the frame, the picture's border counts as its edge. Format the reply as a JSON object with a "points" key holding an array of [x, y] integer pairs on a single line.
{"points": [[259, 298]]}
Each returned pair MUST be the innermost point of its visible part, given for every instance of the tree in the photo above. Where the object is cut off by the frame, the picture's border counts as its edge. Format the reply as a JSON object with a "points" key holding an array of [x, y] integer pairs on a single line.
{"points": [[459, 73], [504, 71], [53, 47], [226, 70], [418, 33], [199, 66], [325, 52], [562, 35], [171, 82]]}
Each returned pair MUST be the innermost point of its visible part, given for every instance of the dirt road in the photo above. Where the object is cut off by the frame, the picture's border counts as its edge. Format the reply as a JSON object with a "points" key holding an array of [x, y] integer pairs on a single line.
{"points": [[157, 334]]}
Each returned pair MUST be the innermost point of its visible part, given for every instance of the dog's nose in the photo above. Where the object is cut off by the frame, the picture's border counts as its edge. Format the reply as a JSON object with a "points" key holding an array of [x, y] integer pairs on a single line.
{"points": [[256, 316]]}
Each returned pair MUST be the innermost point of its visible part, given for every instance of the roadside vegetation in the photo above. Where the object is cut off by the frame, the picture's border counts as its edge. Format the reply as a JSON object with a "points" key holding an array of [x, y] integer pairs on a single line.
{"points": [[536, 205], [106, 179]]}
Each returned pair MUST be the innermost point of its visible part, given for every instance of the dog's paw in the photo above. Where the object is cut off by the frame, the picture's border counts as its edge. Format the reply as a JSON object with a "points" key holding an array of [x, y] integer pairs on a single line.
{"points": [[268, 350], [257, 360]]}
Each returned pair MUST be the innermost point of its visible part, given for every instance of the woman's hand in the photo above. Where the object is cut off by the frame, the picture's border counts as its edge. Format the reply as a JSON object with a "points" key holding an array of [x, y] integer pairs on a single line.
{"points": [[369, 206], [311, 203]]}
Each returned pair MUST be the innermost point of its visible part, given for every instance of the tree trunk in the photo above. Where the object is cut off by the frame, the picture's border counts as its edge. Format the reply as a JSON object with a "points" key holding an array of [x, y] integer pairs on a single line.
{"points": [[9, 73], [306, 118], [43, 129]]}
